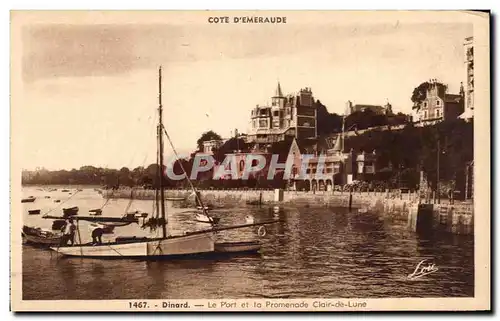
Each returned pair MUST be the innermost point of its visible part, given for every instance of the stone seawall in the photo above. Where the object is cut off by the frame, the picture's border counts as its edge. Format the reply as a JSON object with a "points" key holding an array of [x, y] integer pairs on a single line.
{"points": [[456, 218], [393, 203]]}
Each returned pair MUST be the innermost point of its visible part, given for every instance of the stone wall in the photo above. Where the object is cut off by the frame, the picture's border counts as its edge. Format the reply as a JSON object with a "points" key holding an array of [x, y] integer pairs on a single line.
{"points": [[456, 218], [387, 202], [452, 218]]}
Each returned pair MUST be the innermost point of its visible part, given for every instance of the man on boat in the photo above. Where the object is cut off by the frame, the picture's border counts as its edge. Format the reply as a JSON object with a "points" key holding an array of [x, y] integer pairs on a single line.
{"points": [[96, 232], [69, 232]]}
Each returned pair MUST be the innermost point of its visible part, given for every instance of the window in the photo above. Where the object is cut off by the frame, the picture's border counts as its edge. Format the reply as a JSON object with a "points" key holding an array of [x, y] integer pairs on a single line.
{"points": [[425, 104], [437, 102], [263, 123], [437, 112], [425, 114], [276, 113], [242, 165]]}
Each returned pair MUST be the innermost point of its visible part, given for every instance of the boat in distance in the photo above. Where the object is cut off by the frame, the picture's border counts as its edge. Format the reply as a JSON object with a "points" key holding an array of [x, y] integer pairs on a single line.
{"points": [[202, 218], [30, 199]]}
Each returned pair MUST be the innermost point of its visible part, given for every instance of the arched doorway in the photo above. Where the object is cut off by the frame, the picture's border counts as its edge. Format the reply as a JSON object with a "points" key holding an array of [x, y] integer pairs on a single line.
{"points": [[329, 185], [321, 185], [314, 185]]}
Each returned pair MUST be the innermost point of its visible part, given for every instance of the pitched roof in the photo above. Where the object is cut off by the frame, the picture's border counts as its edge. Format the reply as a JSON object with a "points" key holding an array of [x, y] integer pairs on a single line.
{"points": [[338, 144], [278, 92]]}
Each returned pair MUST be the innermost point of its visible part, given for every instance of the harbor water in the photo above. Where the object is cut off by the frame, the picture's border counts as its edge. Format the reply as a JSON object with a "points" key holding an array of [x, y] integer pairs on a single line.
{"points": [[312, 253]]}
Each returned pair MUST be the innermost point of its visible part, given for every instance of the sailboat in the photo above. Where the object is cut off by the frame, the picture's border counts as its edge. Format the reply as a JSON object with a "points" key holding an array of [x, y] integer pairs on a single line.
{"points": [[189, 243]]}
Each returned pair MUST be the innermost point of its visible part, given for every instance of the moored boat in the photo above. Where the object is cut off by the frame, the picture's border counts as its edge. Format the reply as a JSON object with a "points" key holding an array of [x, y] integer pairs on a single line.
{"points": [[34, 212], [70, 211], [189, 243], [206, 219], [238, 247], [30, 199], [96, 211], [38, 236]]}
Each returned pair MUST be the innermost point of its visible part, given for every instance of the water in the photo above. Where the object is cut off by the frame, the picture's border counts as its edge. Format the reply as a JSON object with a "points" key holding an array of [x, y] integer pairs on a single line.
{"points": [[320, 253]]}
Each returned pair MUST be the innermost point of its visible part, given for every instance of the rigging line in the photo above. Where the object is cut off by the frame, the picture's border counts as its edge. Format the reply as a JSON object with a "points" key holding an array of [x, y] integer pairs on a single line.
{"points": [[105, 203], [157, 201], [138, 147], [187, 177], [146, 153], [61, 203], [130, 201], [113, 250]]}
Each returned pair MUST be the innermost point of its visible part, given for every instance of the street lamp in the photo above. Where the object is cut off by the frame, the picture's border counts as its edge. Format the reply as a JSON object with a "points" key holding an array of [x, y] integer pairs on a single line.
{"points": [[437, 174]]}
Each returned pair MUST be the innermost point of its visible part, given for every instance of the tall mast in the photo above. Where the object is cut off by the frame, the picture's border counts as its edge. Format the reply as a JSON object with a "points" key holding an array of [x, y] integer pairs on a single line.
{"points": [[343, 131], [160, 146]]}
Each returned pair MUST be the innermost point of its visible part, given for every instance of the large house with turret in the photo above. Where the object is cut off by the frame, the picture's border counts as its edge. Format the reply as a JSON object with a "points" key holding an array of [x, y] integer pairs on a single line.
{"points": [[289, 116], [439, 105]]}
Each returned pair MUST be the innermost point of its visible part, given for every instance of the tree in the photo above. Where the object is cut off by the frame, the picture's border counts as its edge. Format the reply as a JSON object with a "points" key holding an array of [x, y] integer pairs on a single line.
{"points": [[206, 136], [327, 123], [420, 93]]}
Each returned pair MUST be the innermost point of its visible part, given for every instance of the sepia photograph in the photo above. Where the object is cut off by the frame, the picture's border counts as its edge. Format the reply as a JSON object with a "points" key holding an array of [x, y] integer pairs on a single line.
{"points": [[250, 160]]}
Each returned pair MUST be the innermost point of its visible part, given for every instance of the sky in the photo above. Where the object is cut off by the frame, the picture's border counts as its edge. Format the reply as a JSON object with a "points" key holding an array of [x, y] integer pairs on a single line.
{"points": [[90, 91]]}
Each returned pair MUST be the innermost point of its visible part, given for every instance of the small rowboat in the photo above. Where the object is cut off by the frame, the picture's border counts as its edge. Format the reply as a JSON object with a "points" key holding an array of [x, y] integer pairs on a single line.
{"points": [[96, 212], [205, 219], [70, 211], [135, 214], [237, 247], [34, 212], [30, 199], [38, 236]]}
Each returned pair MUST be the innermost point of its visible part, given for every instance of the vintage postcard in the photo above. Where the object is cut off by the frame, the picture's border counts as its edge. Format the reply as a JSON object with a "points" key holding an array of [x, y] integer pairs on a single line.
{"points": [[250, 161]]}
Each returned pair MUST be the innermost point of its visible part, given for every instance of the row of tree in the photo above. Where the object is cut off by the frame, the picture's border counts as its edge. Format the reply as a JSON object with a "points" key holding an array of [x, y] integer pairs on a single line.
{"points": [[401, 155]]}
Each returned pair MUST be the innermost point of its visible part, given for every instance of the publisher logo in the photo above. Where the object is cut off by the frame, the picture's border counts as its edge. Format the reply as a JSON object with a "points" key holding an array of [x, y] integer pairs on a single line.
{"points": [[424, 267]]}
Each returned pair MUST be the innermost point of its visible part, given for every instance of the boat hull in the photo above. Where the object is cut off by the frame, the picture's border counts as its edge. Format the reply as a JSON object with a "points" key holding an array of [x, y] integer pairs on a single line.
{"points": [[44, 241], [176, 246], [237, 247], [205, 219]]}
